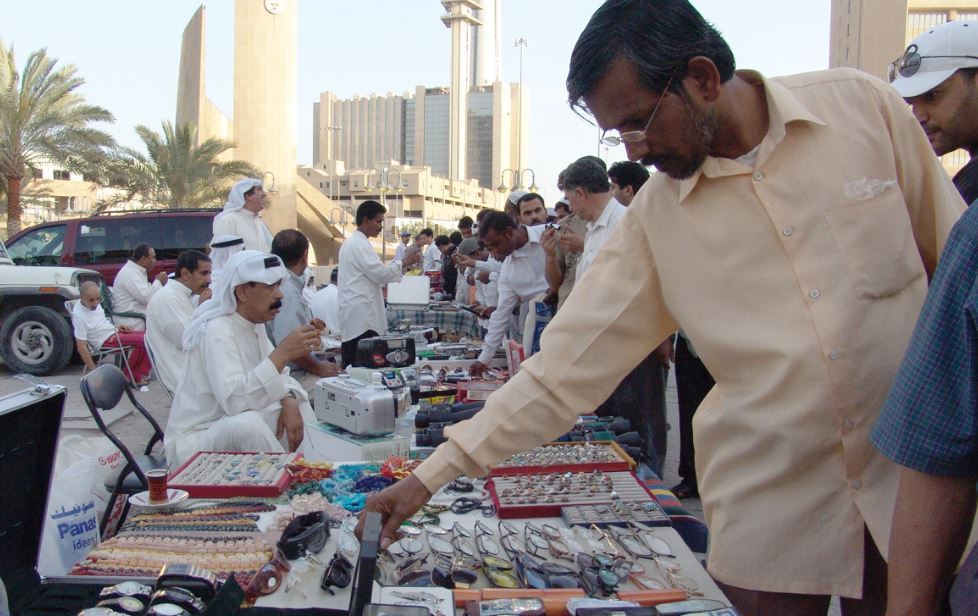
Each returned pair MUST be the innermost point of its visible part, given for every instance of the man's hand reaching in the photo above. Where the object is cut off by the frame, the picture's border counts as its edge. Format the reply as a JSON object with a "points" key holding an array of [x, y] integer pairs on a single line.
{"points": [[395, 504]]}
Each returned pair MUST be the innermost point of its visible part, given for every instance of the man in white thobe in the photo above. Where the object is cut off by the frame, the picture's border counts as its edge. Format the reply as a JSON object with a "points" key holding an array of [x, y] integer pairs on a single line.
{"points": [[242, 215], [325, 303], [132, 290], [236, 393], [223, 247], [361, 299], [169, 313], [402, 247]]}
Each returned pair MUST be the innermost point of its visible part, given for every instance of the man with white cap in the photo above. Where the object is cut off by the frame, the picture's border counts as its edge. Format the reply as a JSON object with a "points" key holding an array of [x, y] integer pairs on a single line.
{"points": [[223, 247], [236, 393], [402, 247], [242, 215], [938, 76]]}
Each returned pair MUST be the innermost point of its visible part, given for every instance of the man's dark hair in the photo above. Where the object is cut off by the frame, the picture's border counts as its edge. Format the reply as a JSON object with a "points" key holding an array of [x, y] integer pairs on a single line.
{"points": [[141, 251], [497, 221], [290, 244], [594, 160], [583, 173], [529, 197], [456, 237], [657, 38], [481, 214], [190, 260], [628, 173], [368, 210], [562, 205], [427, 232], [560, 180], [251, 191], [334, 275], [442, 240], [465, 222]]}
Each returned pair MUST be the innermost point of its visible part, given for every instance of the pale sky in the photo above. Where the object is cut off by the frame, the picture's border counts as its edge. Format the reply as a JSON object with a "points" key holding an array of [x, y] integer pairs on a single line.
{"points": [[128, 51]]}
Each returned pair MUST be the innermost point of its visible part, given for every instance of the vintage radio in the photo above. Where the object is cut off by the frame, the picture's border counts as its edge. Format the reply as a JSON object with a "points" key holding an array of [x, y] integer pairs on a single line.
{"points": [[358, 407], [385, 352]]}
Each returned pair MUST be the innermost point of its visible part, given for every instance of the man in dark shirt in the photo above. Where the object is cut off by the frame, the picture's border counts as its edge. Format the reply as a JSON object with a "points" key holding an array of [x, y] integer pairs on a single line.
{"points": [[938, 77]]}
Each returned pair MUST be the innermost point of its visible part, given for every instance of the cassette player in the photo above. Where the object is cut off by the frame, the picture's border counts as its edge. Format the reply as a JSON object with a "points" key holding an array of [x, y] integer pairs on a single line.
{"points": [[358, 407], [385, 352]]}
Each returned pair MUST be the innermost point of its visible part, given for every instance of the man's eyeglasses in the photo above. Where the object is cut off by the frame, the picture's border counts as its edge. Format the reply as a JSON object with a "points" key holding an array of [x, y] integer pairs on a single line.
{"points": [[632, 136], [910, 62]]}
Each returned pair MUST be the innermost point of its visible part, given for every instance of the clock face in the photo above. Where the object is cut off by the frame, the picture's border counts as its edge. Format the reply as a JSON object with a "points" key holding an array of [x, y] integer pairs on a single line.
{"points": [[274, 6]]}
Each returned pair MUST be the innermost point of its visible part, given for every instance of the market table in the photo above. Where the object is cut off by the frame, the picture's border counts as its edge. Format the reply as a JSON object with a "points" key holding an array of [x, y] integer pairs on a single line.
{"points": [[455, 320]]}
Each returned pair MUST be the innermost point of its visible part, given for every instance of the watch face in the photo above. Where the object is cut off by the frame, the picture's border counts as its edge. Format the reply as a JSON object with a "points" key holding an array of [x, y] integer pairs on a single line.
{"points": [[127, 605], [274, 6], [126, 589], [167, 609]]}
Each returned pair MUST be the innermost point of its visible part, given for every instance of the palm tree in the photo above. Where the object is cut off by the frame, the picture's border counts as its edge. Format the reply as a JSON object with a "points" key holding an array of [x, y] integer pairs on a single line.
{"points": [[174, 172], [44, 119]]}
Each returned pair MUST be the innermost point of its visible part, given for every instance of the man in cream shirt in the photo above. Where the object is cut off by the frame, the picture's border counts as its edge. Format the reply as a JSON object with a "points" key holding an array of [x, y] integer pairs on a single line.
{"points": [[132, 290], [169, 312], [236, 393], [791, 232], [242, 215]]}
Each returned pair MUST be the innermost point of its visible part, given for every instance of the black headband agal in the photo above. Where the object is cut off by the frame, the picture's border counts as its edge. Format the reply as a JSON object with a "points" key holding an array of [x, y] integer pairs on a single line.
{"points": [[272, 262], [228, 243]]}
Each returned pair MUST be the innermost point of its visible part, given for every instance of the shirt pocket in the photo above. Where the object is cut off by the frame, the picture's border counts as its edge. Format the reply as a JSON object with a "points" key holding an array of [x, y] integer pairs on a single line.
{"points": [[876, 242]]}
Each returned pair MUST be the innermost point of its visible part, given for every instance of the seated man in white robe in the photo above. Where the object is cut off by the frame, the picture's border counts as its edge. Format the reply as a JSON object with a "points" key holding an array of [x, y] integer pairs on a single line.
{"points": [[236, 393]]}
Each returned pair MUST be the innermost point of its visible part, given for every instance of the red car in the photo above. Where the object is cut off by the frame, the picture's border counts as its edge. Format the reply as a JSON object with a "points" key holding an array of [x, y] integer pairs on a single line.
{"points": [[104, 243]]}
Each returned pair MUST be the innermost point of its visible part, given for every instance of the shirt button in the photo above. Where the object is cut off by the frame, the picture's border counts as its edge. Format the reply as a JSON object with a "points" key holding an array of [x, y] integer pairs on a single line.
{"points": [[834, 354], [758, 176], [856, 484], [787, 231], [814, 294], [848, 424]]}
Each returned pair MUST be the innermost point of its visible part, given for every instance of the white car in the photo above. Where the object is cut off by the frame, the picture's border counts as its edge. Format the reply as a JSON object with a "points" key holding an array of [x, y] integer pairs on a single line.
{"points": [[35, 328]]}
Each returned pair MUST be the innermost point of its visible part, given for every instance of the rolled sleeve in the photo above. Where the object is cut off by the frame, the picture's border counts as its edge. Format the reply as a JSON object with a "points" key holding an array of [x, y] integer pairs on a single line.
{"points": [[930, 419], [600, 335]]}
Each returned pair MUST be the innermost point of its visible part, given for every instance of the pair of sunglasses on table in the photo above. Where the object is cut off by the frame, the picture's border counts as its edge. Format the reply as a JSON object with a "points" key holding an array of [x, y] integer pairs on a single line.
{"points": [[911, 62], [529, 558]]}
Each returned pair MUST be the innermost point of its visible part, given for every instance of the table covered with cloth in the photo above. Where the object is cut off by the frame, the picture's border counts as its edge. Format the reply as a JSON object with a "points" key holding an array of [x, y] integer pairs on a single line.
{"points": [[445, 320]]}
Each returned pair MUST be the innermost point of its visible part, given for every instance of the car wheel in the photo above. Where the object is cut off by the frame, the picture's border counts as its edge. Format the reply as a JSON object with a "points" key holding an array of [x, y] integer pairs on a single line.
{"points": [[36, 340]]}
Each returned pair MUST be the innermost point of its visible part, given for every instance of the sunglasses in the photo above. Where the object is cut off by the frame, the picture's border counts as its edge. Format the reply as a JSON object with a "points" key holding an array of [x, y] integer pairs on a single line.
{"points": [[910, 62], [269, 576], [540, 575], [306, 533], [338, 574]]}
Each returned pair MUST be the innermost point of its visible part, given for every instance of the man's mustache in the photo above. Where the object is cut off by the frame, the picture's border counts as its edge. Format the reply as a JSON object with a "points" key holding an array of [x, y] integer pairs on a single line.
{"points": [[275, 305]]}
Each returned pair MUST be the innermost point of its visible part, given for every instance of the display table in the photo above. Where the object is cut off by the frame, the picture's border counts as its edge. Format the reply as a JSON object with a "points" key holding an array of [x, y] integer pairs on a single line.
{"points": [[462, 322]]}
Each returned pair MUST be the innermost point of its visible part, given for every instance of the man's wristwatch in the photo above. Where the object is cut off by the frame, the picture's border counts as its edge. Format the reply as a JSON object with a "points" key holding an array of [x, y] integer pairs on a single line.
{"points": [[293, 395]]}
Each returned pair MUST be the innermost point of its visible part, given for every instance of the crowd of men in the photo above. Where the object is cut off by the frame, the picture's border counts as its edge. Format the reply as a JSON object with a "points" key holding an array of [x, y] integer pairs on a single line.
{"points": [[801, 258]]}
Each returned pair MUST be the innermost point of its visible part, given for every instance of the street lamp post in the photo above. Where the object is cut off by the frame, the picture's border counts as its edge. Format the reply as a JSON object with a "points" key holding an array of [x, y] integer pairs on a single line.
{"points": [[521, 44]]}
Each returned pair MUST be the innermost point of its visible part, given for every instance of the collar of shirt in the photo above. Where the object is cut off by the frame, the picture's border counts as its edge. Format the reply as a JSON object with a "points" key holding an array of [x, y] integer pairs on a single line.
{"points": [[298, 280], [606, 214], [179, 287], [138, 267], [244, 324], [782, 107]]}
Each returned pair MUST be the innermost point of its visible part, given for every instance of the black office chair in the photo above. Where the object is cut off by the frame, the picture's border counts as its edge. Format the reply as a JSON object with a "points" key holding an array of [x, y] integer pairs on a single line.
{"points": [[102, 390], [106, 292]]}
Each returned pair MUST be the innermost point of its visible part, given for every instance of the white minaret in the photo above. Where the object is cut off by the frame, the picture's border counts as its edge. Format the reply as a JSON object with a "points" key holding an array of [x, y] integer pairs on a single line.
{"points": [[485, 60], [460, 17]]}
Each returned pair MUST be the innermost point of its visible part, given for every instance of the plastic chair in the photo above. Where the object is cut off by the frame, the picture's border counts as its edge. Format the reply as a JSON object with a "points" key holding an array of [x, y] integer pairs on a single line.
{"points": [[106, 292], [99, 354], [159, 378], [102, 390]]}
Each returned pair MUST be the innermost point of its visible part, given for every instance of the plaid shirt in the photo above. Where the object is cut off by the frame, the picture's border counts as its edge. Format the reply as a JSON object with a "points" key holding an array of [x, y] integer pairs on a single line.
{"points": [[930, 420]]}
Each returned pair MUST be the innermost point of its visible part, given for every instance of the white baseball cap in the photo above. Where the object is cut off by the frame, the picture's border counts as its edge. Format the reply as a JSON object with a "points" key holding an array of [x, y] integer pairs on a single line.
{"points": [[934, 56]]}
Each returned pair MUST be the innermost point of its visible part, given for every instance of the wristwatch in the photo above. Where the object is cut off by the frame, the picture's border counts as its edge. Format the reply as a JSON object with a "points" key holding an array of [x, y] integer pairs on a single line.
{"points": [[293, 395]]}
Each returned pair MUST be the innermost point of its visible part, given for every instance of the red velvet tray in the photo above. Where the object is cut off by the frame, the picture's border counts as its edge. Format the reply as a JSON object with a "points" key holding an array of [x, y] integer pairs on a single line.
{"points": [[552, 510], [197, 490]]}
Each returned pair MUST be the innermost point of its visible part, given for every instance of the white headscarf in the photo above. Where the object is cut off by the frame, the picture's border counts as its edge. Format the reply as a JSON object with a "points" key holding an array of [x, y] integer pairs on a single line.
{"points": [[243, 267], [222, 248], [236, 198]]}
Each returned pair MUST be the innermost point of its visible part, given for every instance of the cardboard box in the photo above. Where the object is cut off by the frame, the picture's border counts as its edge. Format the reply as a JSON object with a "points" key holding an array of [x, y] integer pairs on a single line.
{"points": [[325, 442]]}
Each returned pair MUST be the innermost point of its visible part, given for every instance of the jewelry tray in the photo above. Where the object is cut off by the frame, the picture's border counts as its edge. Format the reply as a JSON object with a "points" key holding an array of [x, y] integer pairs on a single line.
{"points": [[624, 483], [212, 486], [623, 462]]}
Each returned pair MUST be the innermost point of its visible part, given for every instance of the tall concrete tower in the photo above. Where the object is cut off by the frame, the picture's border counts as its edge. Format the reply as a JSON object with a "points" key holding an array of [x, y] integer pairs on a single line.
{"points": [[193, 106], [867, 34], [265, 100], [486, 61], [460, 17]]}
